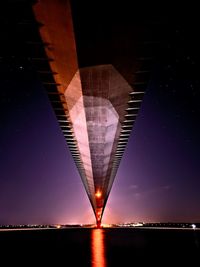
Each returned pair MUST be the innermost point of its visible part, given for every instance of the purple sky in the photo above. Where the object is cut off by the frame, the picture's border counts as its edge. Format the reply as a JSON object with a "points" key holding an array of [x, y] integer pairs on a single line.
{"points": [[158, 178]]}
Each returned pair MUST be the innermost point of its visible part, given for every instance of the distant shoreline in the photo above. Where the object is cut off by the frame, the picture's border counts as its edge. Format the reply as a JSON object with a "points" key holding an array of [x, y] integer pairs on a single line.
{"points": [[114, 227]]}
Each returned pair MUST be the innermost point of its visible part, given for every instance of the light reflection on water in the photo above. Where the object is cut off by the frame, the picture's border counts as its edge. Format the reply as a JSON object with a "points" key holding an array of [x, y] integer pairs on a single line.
{"points": [[98, 248]]}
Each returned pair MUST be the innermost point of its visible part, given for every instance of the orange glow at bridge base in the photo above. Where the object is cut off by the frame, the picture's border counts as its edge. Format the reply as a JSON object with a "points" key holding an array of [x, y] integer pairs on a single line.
{"points": [[99, 224]]}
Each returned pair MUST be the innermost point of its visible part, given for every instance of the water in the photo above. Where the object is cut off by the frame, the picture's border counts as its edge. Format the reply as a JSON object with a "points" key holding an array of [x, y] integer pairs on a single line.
{"points": [[98, 255], [100, 247]]}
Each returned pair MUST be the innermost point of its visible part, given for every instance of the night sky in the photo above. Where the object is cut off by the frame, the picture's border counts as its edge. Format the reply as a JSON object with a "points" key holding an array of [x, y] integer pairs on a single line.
{"points": [[158, 178]]}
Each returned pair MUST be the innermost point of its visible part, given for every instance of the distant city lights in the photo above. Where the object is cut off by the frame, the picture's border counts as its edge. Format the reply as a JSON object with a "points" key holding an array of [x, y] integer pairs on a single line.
{"points": [[193, 226]]}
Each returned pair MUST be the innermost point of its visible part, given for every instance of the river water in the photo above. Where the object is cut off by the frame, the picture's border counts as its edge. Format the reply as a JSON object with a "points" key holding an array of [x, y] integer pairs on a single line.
{"points": [[110, 247]]}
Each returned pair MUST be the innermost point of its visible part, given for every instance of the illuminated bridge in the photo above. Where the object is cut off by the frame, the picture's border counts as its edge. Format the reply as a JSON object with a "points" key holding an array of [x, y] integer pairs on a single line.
{"points": [[94, 60]]}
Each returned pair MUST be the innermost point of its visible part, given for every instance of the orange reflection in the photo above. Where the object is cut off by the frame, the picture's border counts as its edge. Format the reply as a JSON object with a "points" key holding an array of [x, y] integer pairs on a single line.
{"points": [[98, 248]]}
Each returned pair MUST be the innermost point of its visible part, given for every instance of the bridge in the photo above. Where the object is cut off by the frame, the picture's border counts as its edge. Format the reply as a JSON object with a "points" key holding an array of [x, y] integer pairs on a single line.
{"points": [[94, 60]]}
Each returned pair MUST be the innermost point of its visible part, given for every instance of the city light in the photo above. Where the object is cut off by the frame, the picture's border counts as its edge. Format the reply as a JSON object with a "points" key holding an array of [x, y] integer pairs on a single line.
{"points": [[193, 226]]}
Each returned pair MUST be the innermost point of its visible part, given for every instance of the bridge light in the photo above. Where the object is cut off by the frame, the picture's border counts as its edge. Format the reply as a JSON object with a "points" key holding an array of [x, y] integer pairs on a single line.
{"points": [[98, 194]]}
